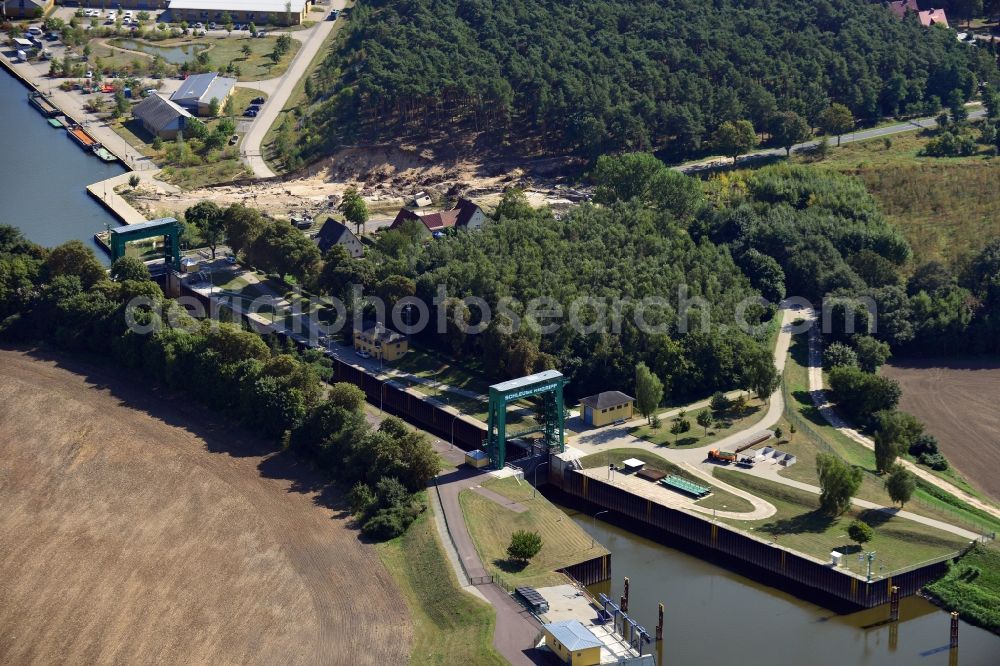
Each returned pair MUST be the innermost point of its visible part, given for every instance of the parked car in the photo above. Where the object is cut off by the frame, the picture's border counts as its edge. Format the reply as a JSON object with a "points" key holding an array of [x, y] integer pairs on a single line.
{"points": [[231, 259], [257, 101], [35, 31], [254, 107], [90, 74], [363, 354], [249, 113], [199, 26], [233, 139], [212, 26]]}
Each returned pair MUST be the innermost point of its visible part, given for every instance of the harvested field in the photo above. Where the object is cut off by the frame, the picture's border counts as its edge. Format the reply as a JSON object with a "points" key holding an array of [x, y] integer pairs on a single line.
{"points": [[957, 400], [139, 528]]}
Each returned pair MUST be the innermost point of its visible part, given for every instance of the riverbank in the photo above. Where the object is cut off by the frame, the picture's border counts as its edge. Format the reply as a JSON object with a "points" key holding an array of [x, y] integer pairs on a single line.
{"points": [[102, 191]]}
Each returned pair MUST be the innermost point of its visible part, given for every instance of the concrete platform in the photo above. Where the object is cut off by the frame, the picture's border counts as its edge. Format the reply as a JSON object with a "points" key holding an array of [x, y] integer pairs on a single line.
{"points": [[568, 602]]}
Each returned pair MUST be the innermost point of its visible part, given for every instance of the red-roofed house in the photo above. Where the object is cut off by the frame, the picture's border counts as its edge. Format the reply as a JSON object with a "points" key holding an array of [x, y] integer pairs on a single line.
{"points": [[933, 17], [900, 7], [465, 215]]}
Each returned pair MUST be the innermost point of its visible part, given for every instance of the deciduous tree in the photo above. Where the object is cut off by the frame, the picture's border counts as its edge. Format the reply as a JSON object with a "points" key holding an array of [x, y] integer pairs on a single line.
{"points": [[648, 391], [836, 119], [524, 545], [734, 138], [900, 485], [838, 482]]}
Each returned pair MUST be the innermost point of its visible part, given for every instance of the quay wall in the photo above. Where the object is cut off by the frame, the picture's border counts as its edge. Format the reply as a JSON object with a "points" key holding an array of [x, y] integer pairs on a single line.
{"points": [[801, 575]]}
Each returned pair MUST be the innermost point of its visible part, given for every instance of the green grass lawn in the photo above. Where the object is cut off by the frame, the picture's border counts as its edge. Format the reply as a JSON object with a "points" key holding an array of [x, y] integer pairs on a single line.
{"points": [[433, 365], [927, 501], [972, 587], [450, 626], [944, 206], [135, 135], [226, 168], [719, 499], [800, 525], [491, 525], [733, 422]]}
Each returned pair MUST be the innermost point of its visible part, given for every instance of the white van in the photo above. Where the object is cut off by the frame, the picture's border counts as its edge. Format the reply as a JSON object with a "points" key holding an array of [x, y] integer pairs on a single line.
{"points": [[22, 56]]}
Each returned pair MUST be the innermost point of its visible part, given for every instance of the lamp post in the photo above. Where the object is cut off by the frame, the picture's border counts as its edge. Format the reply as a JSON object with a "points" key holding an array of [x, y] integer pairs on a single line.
{"points": [[534, 488], [381, 396], [595, 526]]}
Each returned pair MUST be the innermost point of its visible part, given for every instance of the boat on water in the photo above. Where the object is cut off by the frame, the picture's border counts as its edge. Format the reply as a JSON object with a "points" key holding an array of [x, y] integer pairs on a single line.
{"points": [[55, 122], [42, 103], [104, 153], [80, 135]]}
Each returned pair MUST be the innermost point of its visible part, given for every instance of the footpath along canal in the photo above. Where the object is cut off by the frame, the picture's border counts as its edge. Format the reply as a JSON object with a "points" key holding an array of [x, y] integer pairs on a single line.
{"points": [[44, 175]]}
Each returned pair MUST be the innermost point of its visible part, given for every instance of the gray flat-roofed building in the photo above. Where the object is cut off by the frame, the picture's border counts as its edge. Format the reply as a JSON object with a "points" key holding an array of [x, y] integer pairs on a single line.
{"points": [[198, 91], [161, 117], [260, 12]]}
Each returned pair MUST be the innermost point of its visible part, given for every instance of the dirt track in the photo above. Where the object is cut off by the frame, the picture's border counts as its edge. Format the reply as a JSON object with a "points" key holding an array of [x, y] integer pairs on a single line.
{"points": [[958, 403], [162, 536]]}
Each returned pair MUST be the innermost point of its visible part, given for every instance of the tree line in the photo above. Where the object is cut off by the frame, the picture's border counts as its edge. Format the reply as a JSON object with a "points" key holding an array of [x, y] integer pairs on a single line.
{"points": [[65, 298]]}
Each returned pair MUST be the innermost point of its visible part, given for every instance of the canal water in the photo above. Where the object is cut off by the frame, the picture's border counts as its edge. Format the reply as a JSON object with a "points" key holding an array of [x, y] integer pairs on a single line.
{"points": [[43, 176], [714, 617]]}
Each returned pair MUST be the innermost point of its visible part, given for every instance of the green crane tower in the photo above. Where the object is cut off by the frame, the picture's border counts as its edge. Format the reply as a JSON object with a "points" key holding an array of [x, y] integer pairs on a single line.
{"points": [[548, 385]]}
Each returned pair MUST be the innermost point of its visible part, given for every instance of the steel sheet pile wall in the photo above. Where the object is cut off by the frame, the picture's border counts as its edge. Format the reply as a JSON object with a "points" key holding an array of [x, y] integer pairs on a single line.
{"points": [[394, 399], [718, 538], [590, 572]]}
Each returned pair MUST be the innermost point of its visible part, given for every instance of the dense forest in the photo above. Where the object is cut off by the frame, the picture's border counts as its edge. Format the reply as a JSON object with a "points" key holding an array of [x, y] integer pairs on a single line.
{"points": [[596, 76], [776, 232]]}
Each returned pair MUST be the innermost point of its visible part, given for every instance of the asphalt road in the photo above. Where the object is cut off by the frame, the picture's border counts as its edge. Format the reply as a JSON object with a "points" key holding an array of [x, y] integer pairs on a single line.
{"points": [[254, 139], [862, 135]]}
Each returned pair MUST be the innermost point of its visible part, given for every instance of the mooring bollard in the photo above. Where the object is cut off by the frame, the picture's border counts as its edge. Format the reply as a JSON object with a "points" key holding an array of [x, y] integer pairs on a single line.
{"points": [[659, 624]]}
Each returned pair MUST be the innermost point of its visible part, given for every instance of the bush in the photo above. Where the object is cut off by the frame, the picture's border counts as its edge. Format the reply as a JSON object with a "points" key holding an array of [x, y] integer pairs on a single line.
{"points": [[720, 403], [361, 499], [860, 532], [390, 523], [924, 443], [950, 144], [390, 493], [935, 461], [524, 545], [861, 394], [839, 354]]}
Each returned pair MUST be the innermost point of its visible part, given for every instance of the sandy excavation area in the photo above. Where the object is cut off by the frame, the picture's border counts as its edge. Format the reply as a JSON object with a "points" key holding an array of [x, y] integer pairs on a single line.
{"points": [[388, 178], [957, 400], [136, 528]]}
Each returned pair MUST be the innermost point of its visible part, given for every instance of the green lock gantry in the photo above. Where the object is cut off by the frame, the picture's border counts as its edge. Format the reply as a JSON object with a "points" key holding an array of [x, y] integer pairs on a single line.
{"points": [[167, 227], [549, 386]]}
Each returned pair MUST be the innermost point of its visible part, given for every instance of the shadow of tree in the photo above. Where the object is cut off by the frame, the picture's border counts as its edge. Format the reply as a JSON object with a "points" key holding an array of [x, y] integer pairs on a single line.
{"points": [[815, 521], [878, 517], [510, 566]]}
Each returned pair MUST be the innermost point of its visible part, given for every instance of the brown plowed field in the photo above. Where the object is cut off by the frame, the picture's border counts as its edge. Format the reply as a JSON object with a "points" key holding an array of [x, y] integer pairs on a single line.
{"points": [[959, 401], [136, 528]]}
